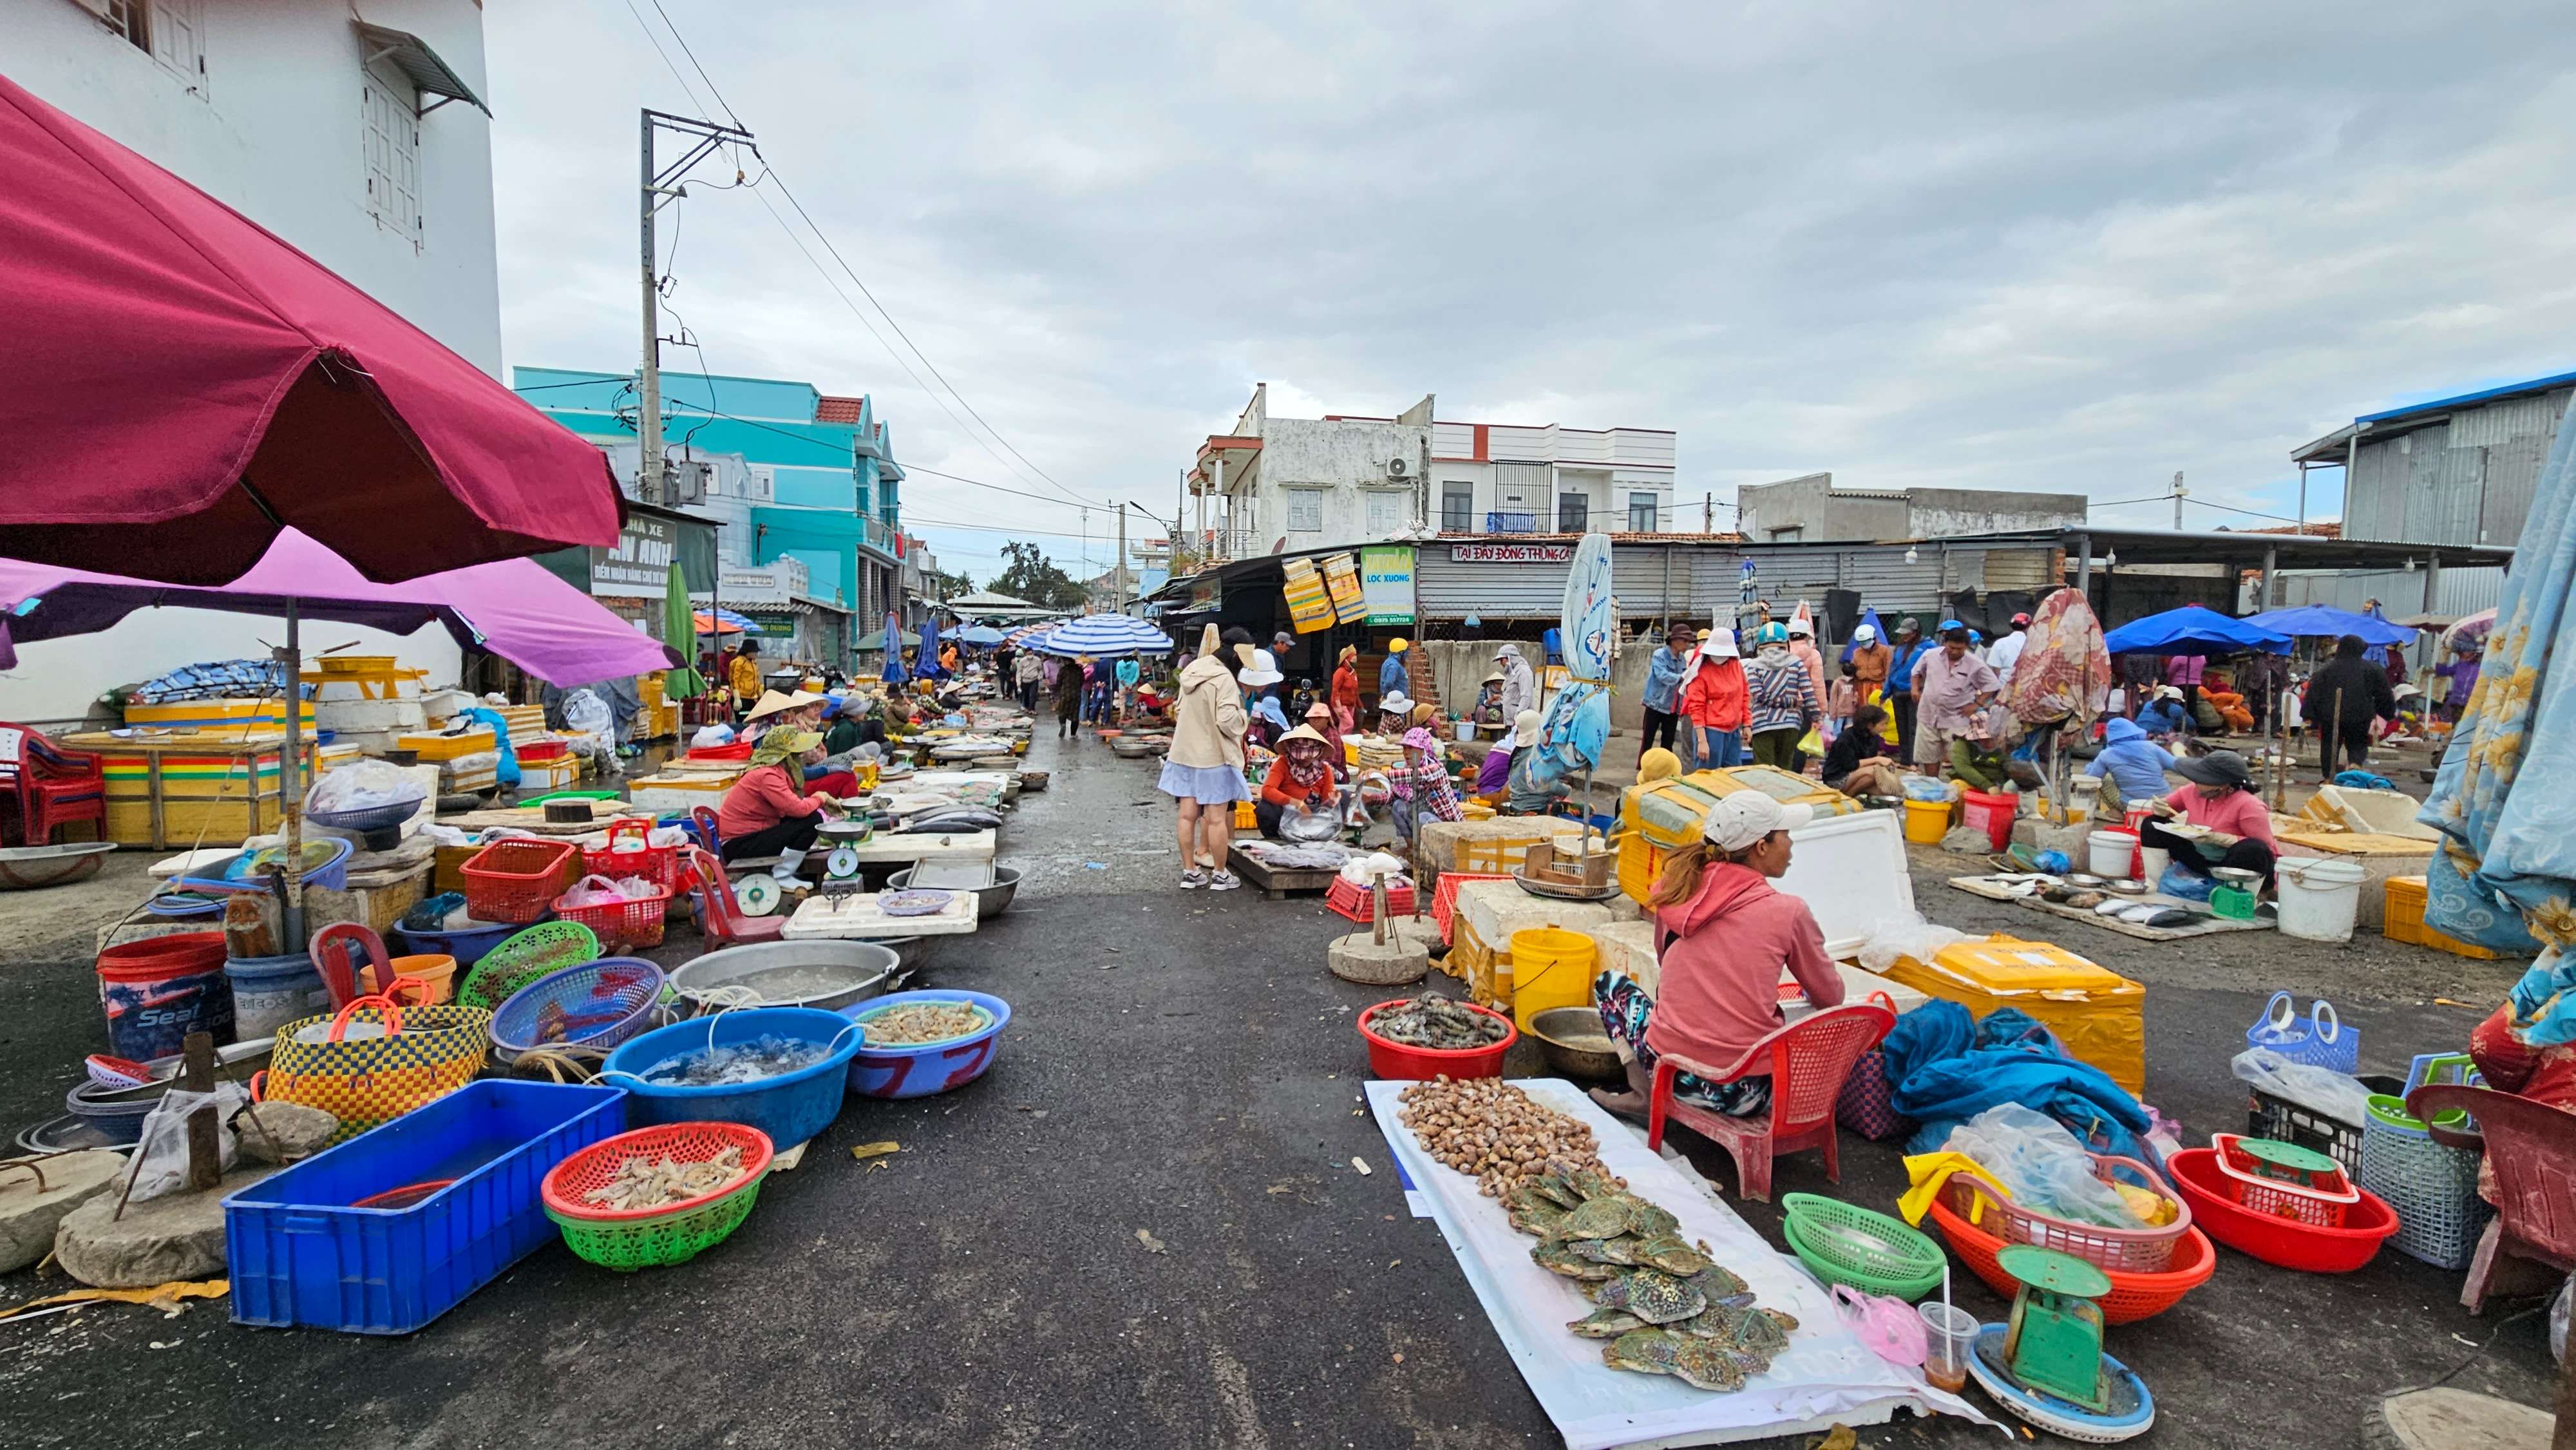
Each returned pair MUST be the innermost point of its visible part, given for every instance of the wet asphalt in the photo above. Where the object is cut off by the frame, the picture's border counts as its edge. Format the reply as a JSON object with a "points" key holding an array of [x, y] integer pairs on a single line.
{"points": [[1179, 1068]]}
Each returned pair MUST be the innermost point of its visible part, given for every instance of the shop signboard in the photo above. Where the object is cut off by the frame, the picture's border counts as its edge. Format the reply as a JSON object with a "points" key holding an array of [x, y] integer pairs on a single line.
{"points": [[1342, 579], [1308, 603], [1512, 553], [1386, 583], [640, 566]]}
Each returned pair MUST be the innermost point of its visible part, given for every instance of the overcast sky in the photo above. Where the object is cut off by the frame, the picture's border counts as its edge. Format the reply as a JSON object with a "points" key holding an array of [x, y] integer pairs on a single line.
{"points": [[2053, 247]]}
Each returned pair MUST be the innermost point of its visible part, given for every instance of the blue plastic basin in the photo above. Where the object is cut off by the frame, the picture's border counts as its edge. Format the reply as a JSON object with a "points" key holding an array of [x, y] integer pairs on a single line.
{"points": [[918, 1072], [790, 1107]]}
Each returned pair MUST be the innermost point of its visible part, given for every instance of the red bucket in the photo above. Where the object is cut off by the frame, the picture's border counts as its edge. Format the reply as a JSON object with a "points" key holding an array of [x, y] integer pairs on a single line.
{"points": [[1391, 1059], [1992, 813], [160, 958]]}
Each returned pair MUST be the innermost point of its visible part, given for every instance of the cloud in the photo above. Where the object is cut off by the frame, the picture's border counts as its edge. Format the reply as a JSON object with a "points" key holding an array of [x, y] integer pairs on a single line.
{"points": [[2069, 248]]}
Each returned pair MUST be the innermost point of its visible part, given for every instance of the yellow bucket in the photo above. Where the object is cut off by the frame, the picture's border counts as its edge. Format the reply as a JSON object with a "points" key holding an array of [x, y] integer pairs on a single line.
{"points": [[1551, 967], [1926, 822]]}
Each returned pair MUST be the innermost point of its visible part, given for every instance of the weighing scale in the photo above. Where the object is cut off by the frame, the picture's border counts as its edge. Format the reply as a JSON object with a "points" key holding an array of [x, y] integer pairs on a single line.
{"points": [[841, 865], [2046, 1363]]}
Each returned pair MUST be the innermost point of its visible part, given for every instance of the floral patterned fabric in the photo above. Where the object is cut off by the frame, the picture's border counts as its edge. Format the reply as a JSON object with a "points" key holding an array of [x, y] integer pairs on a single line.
{"points": [[2063, 670], [2507, 867]]}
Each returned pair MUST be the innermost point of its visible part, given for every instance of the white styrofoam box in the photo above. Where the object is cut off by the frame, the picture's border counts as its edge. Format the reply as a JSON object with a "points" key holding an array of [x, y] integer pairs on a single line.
{"points": [[1851, 872], [370, 715], [1627, 947], [347, 689], [1858, 985], [1496, 909], [442, 703]]}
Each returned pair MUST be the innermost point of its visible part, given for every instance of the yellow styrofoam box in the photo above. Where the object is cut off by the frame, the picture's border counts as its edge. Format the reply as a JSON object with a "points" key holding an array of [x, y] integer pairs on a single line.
{"points": [[2095, 1012], [237, 715], [449, 747]]}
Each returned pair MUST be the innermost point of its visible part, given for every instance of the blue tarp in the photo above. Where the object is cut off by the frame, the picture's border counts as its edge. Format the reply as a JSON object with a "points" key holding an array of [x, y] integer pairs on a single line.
{"points": [[1943, 1070], [2193, 630], [2309, 620]]}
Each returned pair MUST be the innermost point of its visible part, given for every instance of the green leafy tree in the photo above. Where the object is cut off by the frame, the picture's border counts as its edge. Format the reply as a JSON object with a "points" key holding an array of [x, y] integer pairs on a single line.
{"points": [[1028, 574]]}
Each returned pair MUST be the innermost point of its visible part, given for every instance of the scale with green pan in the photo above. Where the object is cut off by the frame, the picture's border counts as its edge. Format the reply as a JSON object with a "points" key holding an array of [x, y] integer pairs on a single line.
{"points": [[2046, 1363]]}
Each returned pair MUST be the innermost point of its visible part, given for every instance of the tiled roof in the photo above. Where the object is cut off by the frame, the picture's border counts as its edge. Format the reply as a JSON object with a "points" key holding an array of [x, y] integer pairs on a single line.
{"points": [[838, 410]]}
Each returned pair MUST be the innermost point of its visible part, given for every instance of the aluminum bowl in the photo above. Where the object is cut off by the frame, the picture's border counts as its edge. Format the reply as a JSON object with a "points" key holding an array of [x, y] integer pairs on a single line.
{"points": [[990, 901], [703, 982], [1565, 1036], [25, 868]]}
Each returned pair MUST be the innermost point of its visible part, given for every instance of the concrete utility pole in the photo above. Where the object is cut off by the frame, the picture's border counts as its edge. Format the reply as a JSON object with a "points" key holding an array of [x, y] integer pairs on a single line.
{"points": [[1708, 513], [2178, 495], [658, 183], [1121, 575]]}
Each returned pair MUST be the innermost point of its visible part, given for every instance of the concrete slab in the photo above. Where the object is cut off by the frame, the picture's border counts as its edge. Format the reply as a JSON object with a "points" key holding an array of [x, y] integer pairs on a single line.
{"points": [[34, 1197], [180, 1236]]}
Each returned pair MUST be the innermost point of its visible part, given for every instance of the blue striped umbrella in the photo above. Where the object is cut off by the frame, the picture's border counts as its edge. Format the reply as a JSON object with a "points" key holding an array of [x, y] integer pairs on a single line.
{"points": [[1103, 636]]}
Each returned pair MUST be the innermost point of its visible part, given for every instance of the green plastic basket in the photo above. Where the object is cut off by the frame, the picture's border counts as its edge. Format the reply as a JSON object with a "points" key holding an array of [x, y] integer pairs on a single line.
{"points": [[647, 1243], [1842, 1243], [548, 946]]}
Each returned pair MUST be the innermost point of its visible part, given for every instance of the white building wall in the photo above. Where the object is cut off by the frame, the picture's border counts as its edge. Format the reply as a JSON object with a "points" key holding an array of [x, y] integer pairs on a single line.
{"points": [[1327, 473], [273, 128]]}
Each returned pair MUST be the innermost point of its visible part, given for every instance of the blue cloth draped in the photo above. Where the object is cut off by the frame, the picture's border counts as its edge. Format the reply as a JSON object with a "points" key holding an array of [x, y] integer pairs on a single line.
{"points": [[1943, 1070]]}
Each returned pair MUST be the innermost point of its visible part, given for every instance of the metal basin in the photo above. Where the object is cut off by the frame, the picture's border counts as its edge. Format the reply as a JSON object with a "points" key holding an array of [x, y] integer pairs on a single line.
{"points": [[990, 901], [828, 975], [911, 953], [24, 868], [1567, 1037]]}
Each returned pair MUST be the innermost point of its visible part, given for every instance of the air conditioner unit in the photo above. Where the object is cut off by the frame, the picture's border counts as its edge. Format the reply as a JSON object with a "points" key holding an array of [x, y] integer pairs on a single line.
{"points": [[1397, 468]]}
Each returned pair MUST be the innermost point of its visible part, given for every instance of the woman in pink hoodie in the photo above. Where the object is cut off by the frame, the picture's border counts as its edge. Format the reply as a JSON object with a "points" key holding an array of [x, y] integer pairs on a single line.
{"points": [[1722, 935]]}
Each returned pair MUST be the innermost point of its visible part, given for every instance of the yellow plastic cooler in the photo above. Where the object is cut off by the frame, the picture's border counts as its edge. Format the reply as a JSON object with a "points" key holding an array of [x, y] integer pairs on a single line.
{"points": [[2096, 1013], [1657, 819]]}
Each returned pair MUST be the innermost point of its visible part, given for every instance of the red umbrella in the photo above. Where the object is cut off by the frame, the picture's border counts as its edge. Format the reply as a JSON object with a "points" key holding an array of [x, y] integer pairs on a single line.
{"points": [[183, 385]]}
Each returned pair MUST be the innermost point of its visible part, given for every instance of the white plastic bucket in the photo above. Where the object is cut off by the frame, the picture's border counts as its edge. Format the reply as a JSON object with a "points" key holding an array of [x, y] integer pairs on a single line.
{"points": [[1466, 729], [2320, 897], [2152, 861], [2113, 853]]}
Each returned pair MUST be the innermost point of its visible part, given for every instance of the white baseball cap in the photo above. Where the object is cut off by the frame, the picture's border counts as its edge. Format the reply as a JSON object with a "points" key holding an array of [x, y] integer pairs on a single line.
{"points": [[1799, 627], [1865, 635], [1743, 817]]}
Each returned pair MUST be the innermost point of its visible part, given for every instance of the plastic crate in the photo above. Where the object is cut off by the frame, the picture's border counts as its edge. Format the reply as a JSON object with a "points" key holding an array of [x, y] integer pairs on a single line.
{"points": [[516, 881], [2283, 1121], [1348, 899], [449, 747], [536, 750], [1244, 818], [302, 1254], [633, 924], [1444, 896], [2433, 1188], [657, 864], [2402, 920]]}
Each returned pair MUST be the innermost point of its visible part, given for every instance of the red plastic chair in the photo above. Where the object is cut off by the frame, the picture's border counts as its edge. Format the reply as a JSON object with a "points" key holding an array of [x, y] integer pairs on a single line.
{"points": [[1806, 1062], [339, 950], [2532, 1147], [716, 916], [50, 786], [702, 820]]}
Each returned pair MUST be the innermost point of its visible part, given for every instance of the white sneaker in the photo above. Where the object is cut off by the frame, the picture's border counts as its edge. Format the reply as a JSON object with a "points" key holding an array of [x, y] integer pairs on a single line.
{"points": [[1223, 881], [1193, 879]]}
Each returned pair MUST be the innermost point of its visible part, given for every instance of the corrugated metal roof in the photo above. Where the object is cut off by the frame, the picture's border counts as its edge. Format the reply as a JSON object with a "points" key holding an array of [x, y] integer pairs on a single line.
{"points": [[419, 64], [2440, 405]]}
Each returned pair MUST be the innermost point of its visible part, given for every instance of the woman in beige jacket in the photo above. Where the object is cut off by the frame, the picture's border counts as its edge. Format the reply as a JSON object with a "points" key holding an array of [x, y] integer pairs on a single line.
{"points": [[1204, 770]]}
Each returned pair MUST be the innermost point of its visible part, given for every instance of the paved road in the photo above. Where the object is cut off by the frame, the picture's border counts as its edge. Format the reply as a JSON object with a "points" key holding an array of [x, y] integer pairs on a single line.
{"points": [[1179, 1063]]}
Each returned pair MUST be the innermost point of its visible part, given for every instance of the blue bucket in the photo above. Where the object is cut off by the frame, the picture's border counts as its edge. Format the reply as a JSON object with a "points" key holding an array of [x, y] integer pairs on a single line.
{"points": [[790, 1107], [933, 1067], [269, 992]]}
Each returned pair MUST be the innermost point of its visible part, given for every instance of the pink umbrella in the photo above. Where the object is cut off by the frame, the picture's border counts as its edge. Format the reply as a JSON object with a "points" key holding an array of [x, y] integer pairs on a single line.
{"points": [[514, 608], [183, 386]]}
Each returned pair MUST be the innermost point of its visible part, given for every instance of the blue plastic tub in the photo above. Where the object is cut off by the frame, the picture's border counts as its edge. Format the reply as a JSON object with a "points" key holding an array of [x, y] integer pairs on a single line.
{"points": [[466, 946], [331, 875], [302, 1254], [918, 1072], [269, 992], [790, 1107]]}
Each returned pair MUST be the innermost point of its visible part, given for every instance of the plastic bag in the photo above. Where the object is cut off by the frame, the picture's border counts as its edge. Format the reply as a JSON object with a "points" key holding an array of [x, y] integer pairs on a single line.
{"points": [[711, 735], [161, 1155], [363, 785], [1304, 826], [1359, 869], [592, 890], [1916, 938], [2041, 1165], [2318, 1089], [1925, 788], [2184, 885], [587, 714], [2558, 1310]]}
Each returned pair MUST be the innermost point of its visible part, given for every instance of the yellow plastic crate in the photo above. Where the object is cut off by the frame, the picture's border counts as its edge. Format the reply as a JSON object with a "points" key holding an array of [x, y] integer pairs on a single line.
{"points": [[1244, 819], [448, 747], [2403, 905], [2095, 1012]]}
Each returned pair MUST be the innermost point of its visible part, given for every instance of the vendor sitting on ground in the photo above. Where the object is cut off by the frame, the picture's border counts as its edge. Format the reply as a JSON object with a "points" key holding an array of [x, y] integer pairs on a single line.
{"points": [[1488, 709], [854, 723], [767, 812], [1394, 716], [2221, 799], [1422, 788], [1857, 763], [1321, 720], [2131, 767], [1493, 777], [1722, 935], [2165, 717], [1300, 783], [1978, 754], [1525, 794]]}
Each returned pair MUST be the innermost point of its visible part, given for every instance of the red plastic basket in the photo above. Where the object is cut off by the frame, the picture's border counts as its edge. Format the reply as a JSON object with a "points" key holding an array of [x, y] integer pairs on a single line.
{"points": [[2247, 1183], [740, 751], [542, 750], [657, 864], [1444, 896], [621, 926], [1391, 1059], [1347, 898], [515, 882], [2141, 1250], [567, 1184], [2133, 1296], [2310, 1248]]}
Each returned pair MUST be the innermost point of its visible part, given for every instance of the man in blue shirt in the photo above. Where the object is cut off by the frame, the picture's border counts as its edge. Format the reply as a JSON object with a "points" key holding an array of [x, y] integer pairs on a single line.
{"points": [[1909, 647], [1663, 693], [1391, 676]]}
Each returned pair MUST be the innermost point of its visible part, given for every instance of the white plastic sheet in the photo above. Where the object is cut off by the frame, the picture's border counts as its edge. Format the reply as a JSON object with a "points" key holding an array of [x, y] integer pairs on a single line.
{"points": [[1826, 1377]]}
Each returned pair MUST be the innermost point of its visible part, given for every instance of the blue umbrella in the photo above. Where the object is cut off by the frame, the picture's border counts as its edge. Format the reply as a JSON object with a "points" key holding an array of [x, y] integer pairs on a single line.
{"points": [[2193, 630], [1103, 636], [2310, 620], [2506, 872], [893, 638], [926, 664], [984, 635]]}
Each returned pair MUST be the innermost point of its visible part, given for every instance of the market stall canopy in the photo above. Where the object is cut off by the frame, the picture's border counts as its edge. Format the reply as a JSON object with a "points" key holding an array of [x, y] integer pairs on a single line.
{"points": [[2193, 629], [2311, 620], [184, 387], [874, 640], [985, 604], [1103, 636], [514, 608], [723, 621], [979, 634]]}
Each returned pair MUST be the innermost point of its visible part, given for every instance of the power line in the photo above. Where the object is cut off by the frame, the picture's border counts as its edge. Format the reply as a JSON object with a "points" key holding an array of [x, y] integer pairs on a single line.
{"points": [[770, 174]]}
